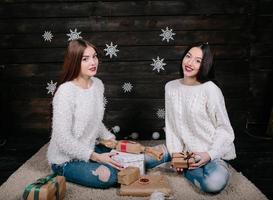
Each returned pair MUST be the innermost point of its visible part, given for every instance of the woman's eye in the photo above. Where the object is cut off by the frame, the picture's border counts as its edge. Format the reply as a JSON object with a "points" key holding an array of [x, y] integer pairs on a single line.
{"points": [[188, 56], [198, 61]]}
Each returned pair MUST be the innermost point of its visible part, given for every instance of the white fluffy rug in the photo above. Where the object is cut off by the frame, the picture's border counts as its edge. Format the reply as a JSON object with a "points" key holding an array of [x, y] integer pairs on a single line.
{"points": [[239, 187]]}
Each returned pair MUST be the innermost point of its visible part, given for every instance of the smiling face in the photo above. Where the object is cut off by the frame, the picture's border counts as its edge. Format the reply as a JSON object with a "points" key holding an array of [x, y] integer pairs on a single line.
{"points": [[89, 62], [191, 63]]}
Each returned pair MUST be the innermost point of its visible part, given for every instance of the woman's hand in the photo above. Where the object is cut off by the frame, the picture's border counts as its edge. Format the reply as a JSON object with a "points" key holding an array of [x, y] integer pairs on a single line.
{"points": [[110, 143], [106, 158], [204, 159]]}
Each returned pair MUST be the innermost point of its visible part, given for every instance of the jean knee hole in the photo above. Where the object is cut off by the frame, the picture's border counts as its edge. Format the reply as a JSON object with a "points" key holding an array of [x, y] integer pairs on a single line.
{"points": [[102, 172]]}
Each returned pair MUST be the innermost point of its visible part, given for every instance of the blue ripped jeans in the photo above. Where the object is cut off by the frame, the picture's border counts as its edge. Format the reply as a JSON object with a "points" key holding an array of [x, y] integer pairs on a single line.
{"points": [[210, 178], [97, 175]]}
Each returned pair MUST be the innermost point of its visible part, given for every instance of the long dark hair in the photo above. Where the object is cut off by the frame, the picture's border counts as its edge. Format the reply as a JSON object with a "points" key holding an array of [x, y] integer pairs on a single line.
{"points": [[72, 59], [206, 71]]}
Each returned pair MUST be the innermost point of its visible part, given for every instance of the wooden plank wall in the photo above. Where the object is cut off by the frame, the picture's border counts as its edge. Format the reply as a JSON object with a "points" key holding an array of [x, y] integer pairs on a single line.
{"points": [[237, 30], [261, 66]]}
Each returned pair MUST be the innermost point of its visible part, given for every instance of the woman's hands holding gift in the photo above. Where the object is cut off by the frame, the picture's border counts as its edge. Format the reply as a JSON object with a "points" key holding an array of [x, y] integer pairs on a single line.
{"points": [[189, 160], [106, 158], [201, 159]]}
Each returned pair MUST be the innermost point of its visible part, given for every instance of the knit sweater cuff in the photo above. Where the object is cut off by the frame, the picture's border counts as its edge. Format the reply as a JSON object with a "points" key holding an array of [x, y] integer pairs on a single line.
{"points": [[88, 155]]}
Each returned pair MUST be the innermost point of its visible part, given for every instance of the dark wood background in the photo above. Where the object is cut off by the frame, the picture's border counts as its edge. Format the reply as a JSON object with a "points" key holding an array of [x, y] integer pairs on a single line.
{"points": [[239, 32]]}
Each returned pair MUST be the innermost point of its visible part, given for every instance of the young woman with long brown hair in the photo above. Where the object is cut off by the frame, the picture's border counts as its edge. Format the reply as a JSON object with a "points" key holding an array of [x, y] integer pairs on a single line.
{"points": [[77, 121]]}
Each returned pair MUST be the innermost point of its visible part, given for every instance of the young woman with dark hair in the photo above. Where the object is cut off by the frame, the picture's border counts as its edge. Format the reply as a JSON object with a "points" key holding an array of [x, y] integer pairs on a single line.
{"points": [[77, 122], [197, 121]]}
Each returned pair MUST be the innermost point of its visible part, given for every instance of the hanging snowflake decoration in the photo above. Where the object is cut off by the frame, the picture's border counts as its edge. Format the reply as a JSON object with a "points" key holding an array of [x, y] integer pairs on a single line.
{"points": [[127, 87], [51, 87], [160, 113], [111, 50], [158, 64], [74, 35], [105, 101], [47, 36], [167, 34], [116, 129]]}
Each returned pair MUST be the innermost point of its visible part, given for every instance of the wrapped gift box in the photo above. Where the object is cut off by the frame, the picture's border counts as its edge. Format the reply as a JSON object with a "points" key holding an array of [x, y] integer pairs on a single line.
{"points": [[51, 187], [128, 175], [146, 185], [129, 159], [182, 160]]}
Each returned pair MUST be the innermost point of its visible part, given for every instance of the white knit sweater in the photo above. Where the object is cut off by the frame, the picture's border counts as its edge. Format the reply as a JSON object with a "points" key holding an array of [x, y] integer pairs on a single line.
{"points": [[197, 120], [77, 122]]}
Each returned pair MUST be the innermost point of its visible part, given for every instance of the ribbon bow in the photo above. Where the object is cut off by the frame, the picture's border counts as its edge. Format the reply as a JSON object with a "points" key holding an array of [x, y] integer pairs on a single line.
{"points": [[38, 184], [185, 155]]}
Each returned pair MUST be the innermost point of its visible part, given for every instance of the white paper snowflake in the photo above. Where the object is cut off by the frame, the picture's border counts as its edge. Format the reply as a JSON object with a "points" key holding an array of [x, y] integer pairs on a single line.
{"points": [[47, 36], [51, 87], [158, 64], [105, 101], [161, 113], [127, 87], [111, 50], [167, 34], [116, 129], [74, 35]]}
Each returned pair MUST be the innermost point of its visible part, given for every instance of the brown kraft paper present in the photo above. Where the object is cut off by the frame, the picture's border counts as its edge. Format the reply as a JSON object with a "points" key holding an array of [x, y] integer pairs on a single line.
{"points": [[182, 160], [128, 175], [131, 147], [146, 185], [51, 187]]}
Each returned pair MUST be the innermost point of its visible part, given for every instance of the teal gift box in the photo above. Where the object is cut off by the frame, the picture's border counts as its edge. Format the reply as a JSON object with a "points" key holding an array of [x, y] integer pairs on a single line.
{"points": [[51, 187]]}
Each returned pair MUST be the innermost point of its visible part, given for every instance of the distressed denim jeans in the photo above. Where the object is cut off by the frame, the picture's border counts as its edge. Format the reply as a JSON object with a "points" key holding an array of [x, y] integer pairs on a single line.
{"points": [[97, 175], [210, 178]]}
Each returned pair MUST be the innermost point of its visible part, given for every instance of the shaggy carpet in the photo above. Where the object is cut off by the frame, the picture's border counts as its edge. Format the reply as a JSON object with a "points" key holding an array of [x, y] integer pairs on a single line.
{"points": [[239, 187]]}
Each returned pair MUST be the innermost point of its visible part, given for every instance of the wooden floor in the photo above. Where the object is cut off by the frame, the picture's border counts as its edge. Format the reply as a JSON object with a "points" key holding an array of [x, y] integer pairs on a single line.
{"points": [[254, 158]]}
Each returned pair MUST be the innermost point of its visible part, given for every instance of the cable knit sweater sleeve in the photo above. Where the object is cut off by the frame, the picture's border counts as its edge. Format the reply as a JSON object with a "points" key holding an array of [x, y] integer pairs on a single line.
{"points": [[224, 135], [62, 126]]}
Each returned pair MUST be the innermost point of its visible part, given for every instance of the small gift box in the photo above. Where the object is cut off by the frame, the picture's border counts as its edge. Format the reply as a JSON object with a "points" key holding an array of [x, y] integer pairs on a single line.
{"points": [[182, 160], [128, 175], [132, 147], [146, 185], [51, 187], [129, 159]]}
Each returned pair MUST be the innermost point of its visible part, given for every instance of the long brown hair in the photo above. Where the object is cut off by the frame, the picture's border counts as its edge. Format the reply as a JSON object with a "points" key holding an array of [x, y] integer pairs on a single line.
{"points": [[72, 62], [72, 59]]}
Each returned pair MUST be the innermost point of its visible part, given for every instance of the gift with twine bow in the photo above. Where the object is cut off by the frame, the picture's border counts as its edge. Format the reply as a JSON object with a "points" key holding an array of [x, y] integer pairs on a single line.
{"points": [[132, 147], [182, 160], [51, 187]]}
